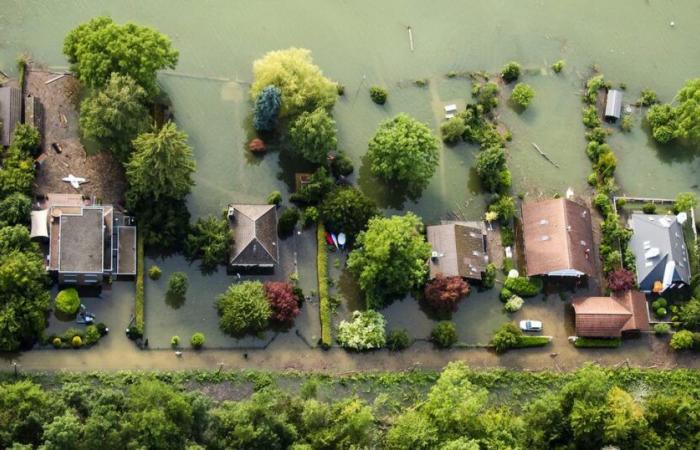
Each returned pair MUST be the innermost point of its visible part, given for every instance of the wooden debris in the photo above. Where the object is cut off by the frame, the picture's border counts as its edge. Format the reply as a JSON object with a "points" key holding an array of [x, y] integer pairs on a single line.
{"points": [[544, 155]]}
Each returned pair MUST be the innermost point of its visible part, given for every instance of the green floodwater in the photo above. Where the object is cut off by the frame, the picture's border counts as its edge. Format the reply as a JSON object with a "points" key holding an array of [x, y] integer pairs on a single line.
{"points": [[360, 43]]}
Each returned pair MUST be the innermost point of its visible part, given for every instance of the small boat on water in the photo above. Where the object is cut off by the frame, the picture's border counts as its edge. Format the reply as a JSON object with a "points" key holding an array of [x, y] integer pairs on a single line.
{"points": [[329, 239], [341, 240], [335, 241]]}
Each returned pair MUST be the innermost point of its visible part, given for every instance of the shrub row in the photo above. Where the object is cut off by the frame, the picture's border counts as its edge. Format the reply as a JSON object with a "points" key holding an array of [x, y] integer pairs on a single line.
{"points": [[583, 342], [76, 338], [139, 299], [532, 341], [324, 301], [523, 286]]}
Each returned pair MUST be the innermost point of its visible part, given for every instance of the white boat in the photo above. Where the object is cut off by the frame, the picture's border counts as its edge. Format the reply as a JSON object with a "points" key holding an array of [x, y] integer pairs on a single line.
{"points": [[341, 239], [335, 240]]}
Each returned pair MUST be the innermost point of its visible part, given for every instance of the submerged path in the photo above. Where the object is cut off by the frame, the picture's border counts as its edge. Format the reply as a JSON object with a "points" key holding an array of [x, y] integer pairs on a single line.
{"points": [[647, 351]]}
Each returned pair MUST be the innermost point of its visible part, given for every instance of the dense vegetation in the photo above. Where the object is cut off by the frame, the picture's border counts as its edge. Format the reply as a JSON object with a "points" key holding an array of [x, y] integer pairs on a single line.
{"points": [[457, 409], [680, 120]]}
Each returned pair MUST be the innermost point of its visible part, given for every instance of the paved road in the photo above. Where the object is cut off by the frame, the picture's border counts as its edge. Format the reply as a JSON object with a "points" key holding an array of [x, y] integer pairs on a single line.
{"points": [[120, 354]]}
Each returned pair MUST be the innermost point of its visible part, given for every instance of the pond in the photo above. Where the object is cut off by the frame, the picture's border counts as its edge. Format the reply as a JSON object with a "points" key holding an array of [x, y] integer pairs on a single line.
{"points": [[363, 43]]}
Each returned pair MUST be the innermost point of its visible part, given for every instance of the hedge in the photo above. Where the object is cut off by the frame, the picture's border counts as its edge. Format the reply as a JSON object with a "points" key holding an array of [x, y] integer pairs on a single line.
{"points": [[523, 286], [139, 298], [583, 342], [532, 341], [324, 302]]}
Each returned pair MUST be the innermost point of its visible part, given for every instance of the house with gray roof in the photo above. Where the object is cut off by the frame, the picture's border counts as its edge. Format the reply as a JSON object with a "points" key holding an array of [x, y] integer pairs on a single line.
{"points": [[458, 249], [10, 112], [661, 257], [254, 247]]}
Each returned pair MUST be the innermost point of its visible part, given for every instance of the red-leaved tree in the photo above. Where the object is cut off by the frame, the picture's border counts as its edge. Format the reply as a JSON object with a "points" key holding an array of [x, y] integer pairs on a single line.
{"points": [[620, 280], [283, 301], [443, 293]]}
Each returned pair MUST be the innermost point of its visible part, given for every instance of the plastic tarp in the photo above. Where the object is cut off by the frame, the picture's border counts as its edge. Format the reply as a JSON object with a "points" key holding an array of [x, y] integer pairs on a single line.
{"points": [[40, 224]]}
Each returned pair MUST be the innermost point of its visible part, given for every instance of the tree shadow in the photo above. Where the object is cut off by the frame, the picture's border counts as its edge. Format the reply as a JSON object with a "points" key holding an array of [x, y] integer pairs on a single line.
{"points": [[175, 301], [676, 151], [385, 194]]}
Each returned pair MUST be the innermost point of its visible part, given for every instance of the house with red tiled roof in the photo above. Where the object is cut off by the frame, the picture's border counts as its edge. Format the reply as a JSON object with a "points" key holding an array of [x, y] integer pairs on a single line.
{"points": [[611, 317]]}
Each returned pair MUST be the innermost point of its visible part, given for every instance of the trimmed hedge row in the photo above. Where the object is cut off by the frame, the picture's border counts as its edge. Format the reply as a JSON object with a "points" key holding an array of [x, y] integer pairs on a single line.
{"points": [[140, 296], [532, 341], [583, 342], [324, 301]]}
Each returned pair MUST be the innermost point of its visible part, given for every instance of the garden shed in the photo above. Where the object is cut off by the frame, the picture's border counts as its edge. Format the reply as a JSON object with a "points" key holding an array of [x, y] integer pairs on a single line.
{"points": [[613, 105]]}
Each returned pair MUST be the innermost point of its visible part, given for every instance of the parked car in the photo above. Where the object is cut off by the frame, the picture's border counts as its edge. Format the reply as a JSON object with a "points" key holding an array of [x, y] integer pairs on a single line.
{"points": [[531, 325]]}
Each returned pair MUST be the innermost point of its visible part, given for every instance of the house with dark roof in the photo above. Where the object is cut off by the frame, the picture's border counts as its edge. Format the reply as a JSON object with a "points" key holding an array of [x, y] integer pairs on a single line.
{"points": [[661, 257], [459, 249], [87, 242], [610, 317], [254, 247], [10, 112], [558, 238]]}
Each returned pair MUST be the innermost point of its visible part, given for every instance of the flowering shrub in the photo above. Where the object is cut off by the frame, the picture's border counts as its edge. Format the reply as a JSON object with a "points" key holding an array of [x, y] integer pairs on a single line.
{"points": [[514, 304], [366, 331], [283, 301], [443, 293]]}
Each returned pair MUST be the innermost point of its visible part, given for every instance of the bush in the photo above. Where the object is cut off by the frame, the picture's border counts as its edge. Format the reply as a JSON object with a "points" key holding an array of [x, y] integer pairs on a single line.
{"points": [[685, 201], [283, 301], [175, 341], [662, 329], [322, 275], [397, 340], [92, 335], [287, 222], [522, 95], [378, 95], [649, 208], [444, 335], [505, 295], [444, 293], [510, 72], [660, 313], [57, 342], [626, 123], [178, 285], [590, 117], [137, 330], [506, 337], [274, 198], [267, 107], [197, 340], [602, 204], [341, 166], [659, 303], [598, 135], [523, 286], [504, 206], [682, 340], [309, 216], [243, 308], [648, 98], [532, 341], [489, 278], [209, 240], [15, 209], [154, 273], [68, 301], [514, 304], [558, 66], [364, 332], [486, 96], [76, 342], [620, 280], [507, 237], [346, 209], [453, 129], [583, 342], [313, 135]]}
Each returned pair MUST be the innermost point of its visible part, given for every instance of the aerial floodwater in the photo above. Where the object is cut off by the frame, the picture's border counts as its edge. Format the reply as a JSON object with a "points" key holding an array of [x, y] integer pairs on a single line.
{"points": [[360, 43]]}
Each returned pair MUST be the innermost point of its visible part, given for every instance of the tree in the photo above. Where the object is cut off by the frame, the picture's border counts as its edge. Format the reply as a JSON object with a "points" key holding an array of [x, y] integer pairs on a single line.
{"points": [[347, 210], [625, 424], [287, 222], [506, 337], [311, 193], [685, 201], [302, 84], [25, 410], [378, 94], [444, 335], [444, 293], [65, 432], [486, 95], [404, 151], [243, 309], [283, 301], [663, 123], [522, 95], [164, 226], [267, 108], [27, 138], [17, 172], [510, 72], [687, 112], [453, 129], [15, 209], [162, 164], [364, 332], [98, 48], [689, 314], [491, 168], [682, 340], [313, 134], [178, 285], [16, 238], [24, 300], [412, 430], [390, 258], [209, 240], [115, 114], [346, 424], [504, 206], [620, 280]]}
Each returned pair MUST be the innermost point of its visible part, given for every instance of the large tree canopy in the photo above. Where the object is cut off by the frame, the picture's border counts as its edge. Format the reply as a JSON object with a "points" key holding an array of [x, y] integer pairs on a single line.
{"points": [[313, 135], [115, 114], [303, 86], [162, 164], [244, 308], [347, 210], [100, 47], [404, 151], [390, 258], [688, 111], [209, 240]]}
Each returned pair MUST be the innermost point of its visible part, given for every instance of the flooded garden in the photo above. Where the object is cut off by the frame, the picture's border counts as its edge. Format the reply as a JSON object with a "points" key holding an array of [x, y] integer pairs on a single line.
{"points": [[360, 44]]}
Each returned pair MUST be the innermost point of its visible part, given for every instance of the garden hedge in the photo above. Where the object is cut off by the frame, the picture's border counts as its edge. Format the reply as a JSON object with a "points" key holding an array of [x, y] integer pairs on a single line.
{"points": [[532, 341], [583, 342], [139, 298], [324, 301]]}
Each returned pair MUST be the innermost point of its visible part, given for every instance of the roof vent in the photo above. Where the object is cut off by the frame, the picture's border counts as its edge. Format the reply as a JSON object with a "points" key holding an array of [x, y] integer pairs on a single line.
{"points": [[647, 245], [475, 253], [544, 238], [682, 218], [665, 222], [544, 222], [652, 253], [584, 213], [583, 242], [648, 264], [435, 255]]}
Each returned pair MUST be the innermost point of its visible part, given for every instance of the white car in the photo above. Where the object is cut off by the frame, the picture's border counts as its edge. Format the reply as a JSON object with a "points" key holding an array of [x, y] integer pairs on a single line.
{"points": [[531, 325]]}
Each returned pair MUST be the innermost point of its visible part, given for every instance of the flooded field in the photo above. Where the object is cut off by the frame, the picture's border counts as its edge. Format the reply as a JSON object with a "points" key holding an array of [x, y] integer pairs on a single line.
{"points": [[363, 43]]}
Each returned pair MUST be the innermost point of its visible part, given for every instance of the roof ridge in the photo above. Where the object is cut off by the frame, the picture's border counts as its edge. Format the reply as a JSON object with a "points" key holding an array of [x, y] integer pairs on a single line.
{"points": [[565, 211]]}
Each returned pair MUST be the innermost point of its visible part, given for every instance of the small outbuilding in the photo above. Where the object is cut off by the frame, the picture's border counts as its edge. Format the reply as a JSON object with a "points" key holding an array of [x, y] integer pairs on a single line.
{"points": [[458, 249], [10, 112], [613, 105], [611, 317]]}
